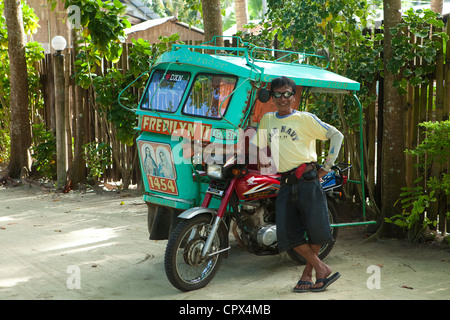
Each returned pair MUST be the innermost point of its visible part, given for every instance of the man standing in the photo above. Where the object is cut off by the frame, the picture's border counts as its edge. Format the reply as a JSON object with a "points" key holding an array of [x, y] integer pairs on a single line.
{"points": [[301, 203]]}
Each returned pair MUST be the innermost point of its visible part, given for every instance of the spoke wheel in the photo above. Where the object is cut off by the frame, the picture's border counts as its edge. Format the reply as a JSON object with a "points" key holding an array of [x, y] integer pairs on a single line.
{"points": [[185, 267]]}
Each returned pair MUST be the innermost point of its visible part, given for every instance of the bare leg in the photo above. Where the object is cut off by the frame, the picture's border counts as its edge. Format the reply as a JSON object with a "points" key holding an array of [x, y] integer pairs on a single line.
{"points": [[307, 272], [310, 253]]}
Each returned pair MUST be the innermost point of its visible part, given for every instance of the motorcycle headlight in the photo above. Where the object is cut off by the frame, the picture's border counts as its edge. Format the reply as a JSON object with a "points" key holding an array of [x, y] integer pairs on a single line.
{"points": [[214, 171]]}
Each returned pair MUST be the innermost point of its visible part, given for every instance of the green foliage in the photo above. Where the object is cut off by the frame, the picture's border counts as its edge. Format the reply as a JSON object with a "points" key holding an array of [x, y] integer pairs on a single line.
{"points": [[415, 200], [103, 25], [345, 29], [440, 183], [5, 141], [34, 52], [107, 88], [426, 26], [44, 151], [342, 27], [98, 158], [436, 146]]}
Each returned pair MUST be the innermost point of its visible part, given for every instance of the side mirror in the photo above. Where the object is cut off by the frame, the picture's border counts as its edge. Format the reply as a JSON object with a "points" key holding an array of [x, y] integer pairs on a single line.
{"points": [[264, 95]]}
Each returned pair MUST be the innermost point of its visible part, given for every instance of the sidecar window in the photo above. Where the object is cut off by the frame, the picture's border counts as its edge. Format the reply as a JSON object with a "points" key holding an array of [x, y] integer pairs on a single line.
{"points": [[210, 95], [165, 94]]}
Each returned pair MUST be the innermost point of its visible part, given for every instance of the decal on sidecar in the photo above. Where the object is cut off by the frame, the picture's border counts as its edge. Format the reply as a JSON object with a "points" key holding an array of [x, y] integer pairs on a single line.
{"points": [[186, 129], [158, 167]]}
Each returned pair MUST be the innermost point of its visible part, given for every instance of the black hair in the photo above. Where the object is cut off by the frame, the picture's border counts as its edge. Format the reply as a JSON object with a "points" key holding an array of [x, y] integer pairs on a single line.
{"points": [[282, 81]]}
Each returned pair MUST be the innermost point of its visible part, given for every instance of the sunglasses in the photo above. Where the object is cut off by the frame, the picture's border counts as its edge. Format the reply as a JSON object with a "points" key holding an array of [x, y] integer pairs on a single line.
{"points": [[286, 94]]}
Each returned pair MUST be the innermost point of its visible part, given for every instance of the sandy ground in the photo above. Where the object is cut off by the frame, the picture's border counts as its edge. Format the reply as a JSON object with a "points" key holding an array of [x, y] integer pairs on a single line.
{"points": [[91, 245]]}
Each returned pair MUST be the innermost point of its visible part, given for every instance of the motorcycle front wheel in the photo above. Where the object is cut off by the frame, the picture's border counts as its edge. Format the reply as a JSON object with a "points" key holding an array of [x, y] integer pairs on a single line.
{"points": [[185, 268]]}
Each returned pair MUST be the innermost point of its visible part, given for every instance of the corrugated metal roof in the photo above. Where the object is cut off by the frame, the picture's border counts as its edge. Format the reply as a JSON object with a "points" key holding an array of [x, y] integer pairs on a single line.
{"points": [[155, 22], [148, 24], [147, 12]]}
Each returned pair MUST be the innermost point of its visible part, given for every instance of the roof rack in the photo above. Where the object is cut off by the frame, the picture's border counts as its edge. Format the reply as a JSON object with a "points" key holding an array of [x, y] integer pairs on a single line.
{"points": [[249, 51]]}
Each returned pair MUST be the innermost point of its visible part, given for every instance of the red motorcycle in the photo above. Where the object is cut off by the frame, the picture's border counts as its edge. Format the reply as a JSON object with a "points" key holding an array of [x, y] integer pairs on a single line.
{"points": [[200, 241]]}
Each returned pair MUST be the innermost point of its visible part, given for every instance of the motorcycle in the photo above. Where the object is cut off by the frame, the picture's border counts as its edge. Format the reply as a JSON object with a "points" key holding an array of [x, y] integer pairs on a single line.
{"points": [[201, 240]]}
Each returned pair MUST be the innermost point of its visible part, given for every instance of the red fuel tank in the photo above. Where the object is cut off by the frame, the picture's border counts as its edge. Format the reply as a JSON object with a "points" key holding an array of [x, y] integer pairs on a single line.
{"points": [[255, 186]]}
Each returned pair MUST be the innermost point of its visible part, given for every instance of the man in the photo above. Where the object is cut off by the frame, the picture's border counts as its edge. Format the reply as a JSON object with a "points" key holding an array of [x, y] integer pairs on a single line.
{"points": [[301, 203]]}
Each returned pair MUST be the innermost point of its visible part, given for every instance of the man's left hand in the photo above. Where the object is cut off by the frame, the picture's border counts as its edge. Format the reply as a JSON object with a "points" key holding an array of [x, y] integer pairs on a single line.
{"points": [[322, 173]]}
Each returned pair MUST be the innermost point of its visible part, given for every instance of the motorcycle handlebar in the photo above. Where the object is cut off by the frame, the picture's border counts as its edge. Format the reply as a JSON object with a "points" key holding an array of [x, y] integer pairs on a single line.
{"points": [[341, 167]]}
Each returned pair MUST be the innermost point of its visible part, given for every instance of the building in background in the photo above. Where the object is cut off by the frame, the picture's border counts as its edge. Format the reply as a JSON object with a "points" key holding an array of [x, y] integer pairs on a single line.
{"points": [[150, 30]]}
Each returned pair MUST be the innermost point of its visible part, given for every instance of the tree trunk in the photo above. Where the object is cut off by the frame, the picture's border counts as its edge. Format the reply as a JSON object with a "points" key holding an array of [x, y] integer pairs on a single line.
{"points": [[212, 20], [78, 168], [241, 14], [393, 157], [437, 6], [20, 123]]}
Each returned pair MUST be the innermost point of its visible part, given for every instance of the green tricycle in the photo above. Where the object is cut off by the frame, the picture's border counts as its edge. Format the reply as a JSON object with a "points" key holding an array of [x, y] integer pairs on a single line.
{"points": [[200, 108]]}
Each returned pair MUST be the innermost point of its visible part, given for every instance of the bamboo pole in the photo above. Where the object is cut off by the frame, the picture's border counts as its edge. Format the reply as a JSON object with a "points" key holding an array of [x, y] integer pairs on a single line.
{"points": [[439, 82], [446, 106]]}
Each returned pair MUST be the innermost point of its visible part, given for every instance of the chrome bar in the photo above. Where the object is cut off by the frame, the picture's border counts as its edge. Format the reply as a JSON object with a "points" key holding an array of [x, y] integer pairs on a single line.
{"points": [[218, 252], [211, 237]]}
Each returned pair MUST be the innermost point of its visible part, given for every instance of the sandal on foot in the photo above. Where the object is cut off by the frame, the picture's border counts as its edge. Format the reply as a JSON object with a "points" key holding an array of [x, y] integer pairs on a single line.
{"points": [[301, 283], [326, 282]]}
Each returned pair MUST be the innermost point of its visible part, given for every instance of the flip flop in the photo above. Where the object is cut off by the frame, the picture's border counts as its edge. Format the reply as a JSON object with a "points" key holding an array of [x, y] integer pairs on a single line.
{"points": [[300, 283], [326, 282]]}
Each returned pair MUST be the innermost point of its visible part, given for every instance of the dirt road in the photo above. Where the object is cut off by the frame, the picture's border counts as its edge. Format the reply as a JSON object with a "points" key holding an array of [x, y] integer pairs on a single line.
{"points": [[90, 245]]}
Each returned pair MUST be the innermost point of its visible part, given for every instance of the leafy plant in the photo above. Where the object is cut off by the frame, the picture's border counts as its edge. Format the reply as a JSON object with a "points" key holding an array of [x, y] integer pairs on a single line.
{"points": [[44, 151], [414, 202], [5, 141], [436, 145], [98, 158], [103, 24], [426, 26], [101, 27]]}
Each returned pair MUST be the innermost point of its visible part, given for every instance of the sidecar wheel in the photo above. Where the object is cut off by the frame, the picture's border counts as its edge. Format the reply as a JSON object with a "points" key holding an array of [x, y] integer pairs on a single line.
{"points": [[185, 268], [325, 249]]}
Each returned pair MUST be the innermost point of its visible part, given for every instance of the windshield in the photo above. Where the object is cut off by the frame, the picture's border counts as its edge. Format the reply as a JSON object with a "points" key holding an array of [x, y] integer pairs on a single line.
{"points": [[210, 95], [165, 95]]}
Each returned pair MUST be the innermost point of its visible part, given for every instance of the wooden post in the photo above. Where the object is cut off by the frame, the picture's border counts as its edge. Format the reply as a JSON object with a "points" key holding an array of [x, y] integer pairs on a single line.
{"points": [[439, 83]]}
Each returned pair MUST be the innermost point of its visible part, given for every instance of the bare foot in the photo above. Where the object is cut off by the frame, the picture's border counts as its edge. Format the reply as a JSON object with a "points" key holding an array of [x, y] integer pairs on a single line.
{"points": [[305, 282], [303, 286], [322, 273]]}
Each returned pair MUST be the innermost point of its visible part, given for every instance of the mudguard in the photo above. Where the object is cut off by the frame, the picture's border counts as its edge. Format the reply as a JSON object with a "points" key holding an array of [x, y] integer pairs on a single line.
{"points": [[195, 211]]}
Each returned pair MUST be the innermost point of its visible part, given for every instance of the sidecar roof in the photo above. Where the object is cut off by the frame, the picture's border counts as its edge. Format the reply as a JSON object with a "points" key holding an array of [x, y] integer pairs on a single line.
{"points": [[240, 61]]}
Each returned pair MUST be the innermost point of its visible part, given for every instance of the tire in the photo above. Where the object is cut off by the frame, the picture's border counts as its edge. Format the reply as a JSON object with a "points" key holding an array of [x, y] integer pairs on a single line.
{"points": [[325, 249], [185, 269]]}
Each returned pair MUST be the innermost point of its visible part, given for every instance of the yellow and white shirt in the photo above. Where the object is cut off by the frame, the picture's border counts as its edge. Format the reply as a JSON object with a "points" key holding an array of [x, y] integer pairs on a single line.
{"points": [[292, 138]]}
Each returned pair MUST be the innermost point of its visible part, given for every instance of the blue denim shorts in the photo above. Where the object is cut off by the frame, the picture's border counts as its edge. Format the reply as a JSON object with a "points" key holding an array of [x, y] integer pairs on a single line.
{"points": [[302, 213]]}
